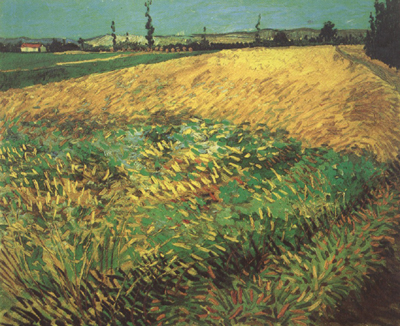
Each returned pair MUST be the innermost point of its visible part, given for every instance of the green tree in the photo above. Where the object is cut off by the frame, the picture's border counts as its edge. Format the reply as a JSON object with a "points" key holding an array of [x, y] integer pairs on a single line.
{"points": [[149, 25], [114, 37], [328, 32], [383, 38], [258, 37]]}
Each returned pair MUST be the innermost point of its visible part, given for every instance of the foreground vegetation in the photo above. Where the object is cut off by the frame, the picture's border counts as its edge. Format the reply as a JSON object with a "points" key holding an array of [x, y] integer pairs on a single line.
{"points": [[42, 68], [180, 220]]}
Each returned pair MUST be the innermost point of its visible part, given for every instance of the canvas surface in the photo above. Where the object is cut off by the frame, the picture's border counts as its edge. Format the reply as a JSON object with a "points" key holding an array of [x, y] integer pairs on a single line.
{"points": [[199, 163]]}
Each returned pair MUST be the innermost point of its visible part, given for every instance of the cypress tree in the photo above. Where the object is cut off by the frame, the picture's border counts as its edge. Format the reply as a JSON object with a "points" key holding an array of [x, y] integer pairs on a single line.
{"points": [[149, 25], [383, 38]]}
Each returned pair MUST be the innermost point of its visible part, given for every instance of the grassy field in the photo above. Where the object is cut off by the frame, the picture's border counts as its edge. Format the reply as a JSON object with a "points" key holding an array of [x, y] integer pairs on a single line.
{"points": [[22, 70], [142, 197], [316, 94], [30, 61]]}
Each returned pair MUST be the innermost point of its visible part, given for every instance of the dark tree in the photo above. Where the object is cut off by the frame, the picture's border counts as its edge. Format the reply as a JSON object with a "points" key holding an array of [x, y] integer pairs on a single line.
{"points": [[114, 37], [149, 25], [16, 47], [281, 38], [70, 47], [81, 42], [258, 37], [328, 32], [56, 46], [204, 44], [383, 40]]}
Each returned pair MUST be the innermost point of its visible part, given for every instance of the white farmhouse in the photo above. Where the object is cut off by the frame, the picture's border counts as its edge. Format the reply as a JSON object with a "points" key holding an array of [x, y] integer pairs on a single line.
{"points": [[33, 47]]}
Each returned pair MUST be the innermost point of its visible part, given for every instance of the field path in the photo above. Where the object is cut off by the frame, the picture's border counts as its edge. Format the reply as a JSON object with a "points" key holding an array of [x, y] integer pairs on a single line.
{"points": [[99, 59], [391, 76]]}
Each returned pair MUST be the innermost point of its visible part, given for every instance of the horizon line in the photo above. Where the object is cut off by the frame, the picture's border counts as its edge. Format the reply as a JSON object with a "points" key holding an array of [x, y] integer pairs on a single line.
{"points": [[176, 35]]}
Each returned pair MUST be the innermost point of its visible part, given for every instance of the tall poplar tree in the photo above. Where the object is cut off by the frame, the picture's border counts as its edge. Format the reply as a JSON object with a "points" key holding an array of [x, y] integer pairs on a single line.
{"points": [[149, 25], [258, 36], [114, 37]]}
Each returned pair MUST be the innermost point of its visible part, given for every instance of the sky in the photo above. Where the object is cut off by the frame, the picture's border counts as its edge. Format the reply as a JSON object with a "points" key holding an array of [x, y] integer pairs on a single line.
{"points": [[90, 18]]}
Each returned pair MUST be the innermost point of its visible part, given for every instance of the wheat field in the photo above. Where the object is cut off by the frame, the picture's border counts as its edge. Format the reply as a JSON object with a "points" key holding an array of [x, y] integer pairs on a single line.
{"points": [[317, 94], [166, 194]]}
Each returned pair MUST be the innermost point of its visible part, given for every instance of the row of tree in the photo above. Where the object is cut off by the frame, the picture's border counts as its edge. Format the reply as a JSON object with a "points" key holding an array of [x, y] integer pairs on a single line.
{"points": [[9, 47], [382, 41], [328, 35], [54, 46]]}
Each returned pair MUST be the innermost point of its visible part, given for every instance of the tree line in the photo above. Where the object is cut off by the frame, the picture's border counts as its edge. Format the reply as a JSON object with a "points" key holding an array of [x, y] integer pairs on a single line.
{"points": [[55, 46], [381, 42], [383, 38], [328, 35]]}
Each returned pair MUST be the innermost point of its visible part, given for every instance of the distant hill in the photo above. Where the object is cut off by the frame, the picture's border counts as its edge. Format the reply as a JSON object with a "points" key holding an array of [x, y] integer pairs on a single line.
{"points": [[292, 34], [44, 41], [160, 40], [106, 40], [241, 37]]}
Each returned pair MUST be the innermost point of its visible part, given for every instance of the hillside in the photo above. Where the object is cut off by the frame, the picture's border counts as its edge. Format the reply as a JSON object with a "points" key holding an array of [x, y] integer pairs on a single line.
{"points": [[268, 34], [107, 40], [18, 70], [230, 38], [45, 41], [316, 94], [162, 40], [166, 193]]}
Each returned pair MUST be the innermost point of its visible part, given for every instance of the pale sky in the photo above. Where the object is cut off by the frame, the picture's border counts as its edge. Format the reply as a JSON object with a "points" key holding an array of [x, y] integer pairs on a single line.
{"points": [[89, 18]]}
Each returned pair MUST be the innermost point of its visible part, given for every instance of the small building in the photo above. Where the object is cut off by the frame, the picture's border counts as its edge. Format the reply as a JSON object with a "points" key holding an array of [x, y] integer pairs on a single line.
{"points": [[33, 47]]}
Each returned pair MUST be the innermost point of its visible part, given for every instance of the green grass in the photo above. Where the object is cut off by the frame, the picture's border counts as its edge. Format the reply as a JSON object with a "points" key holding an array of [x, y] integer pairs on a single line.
{"points": [[188, 222], [11, 61], [46, 71]]}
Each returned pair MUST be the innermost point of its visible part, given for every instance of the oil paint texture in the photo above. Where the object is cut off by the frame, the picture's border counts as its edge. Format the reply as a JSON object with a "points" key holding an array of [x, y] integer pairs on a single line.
{"points": [[199, 163]]}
